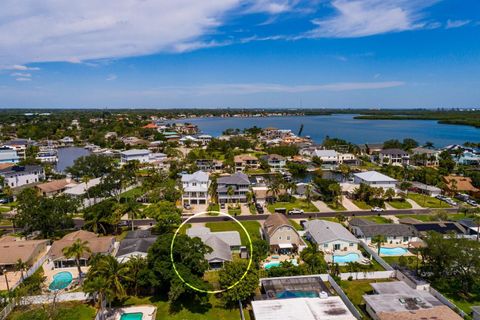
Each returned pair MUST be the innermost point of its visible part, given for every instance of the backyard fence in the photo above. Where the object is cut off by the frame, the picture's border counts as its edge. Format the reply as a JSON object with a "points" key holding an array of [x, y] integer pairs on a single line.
{"points": [[367, 275], [344, 298], [32, 269], [447, 302], [6, 311]]}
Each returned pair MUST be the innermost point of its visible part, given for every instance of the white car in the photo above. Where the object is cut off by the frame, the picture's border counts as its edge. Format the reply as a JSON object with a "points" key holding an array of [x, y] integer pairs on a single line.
{"points": [[377, 209], [295, 211]]}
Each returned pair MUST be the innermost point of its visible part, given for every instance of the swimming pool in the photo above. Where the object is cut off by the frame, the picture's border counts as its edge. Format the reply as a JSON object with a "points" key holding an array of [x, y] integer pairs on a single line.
{"points": [[270, 264], [60, 281], [132, 316], [296, 294], [393, 251], [351, 257]]}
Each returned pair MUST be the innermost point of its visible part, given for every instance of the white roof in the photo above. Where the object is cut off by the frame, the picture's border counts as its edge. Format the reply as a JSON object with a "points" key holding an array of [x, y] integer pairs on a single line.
{"points": [[135, 152], [373, 176], [325, 153], [81, 188], [323, 231], [198, 176], [331, 308]]}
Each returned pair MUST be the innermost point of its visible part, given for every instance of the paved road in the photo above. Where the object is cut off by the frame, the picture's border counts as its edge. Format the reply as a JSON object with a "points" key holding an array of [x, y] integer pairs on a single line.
{"points": [[260, 217]]}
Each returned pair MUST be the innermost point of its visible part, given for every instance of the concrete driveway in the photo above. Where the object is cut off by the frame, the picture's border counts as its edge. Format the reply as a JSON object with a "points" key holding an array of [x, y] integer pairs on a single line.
{"points": [[349, 205], [322, 206]]}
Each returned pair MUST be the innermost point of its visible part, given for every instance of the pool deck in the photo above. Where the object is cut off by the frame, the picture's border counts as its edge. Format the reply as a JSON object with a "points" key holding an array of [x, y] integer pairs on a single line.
{"points": [[49, 273], [149, 312], [328, 257]]}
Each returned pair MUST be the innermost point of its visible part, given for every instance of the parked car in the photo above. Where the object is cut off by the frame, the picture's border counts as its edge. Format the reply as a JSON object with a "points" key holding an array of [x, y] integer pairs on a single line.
{"points": [[187, 206], [222, 205], [3, 200], [259, 208], [296, 211], [472, 202], [377, 209]]}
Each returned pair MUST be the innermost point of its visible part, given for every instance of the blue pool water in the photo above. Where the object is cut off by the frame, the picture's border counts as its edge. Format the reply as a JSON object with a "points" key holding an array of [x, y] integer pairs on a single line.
{"points": [[132, 316], [296, 294], [393, 251], [351, 257], [60, 281], [270, 264]]}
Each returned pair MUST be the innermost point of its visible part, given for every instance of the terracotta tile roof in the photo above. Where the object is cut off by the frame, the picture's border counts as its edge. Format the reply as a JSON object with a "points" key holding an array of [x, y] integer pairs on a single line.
{"points": [[26, 250], [55, 185], [463, 183], [5, 165], [96, 244]]}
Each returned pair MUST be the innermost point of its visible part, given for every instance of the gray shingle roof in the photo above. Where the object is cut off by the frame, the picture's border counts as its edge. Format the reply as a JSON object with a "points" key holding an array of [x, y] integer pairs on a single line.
{"points": [[387, 229], [237, 178], [232, 238], [128, 246], [323, 231], [220, 250]]}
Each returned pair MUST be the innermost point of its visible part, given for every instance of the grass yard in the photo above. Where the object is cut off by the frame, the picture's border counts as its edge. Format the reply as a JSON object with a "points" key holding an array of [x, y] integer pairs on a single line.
{"points": [[421, 217], [397, 204], [336, 206], [411, 261], [303, 204], [426, 201], [234, 211], [4, 209], [189, 309], [253, 229], [295, 224], [132, 193], [356, 289], [65, 311], [362, 204], [213, 207], [377, 219]]}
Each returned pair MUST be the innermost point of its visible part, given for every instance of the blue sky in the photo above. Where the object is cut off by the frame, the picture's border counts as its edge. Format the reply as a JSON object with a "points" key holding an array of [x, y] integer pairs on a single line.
{"points": [[232, 53]]}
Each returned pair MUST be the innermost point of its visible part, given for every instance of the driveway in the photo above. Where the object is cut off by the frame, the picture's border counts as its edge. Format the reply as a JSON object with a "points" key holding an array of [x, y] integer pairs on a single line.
{"points": [[348, 204], [414, 204], [322, 206], [244, 209]]}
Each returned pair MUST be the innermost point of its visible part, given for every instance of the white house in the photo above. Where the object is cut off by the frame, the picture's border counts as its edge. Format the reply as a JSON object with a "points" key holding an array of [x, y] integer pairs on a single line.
{"points": [[374, 179], [275, 162], [8, 155], [394, 233], [394, 157], [18, 176], [331, 237], [328, 157], [195, 188], [141, 155]]}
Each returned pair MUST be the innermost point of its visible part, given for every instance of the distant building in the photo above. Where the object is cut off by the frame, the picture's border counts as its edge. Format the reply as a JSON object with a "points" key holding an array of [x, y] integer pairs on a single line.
{"points": [[54, 187], [461, 184], [233, 188], [19, 145], [8, 155], [394, 157], [140, 155], [209, 165], [374, 179], [195, 188], [18, 176], [424, 157], [275, 162], [244, 162], [425, 189]]}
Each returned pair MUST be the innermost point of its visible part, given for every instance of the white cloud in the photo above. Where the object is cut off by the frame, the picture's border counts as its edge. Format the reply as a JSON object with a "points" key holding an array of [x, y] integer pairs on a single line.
{"points": [[18, 67], [451, 24], [23, 79], [111, 77], [21, 74], [254, 88], [272, 6], [74, 31], [360, 18]]}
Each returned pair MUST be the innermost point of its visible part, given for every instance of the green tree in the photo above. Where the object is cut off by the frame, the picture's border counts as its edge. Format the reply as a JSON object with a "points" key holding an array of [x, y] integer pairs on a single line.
{"points": [[313, 260], [378, 240], [77, 250], [93, 165], [389, 194], [231, 274], [21, 266], [167, 215], [136, 267]]}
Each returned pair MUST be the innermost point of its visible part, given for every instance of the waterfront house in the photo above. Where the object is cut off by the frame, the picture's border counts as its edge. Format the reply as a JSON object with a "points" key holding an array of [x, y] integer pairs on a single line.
{"points": [[244, 162], [19, 145], [370, 148], [461, 184], [209, 165], [330, 236], [276, 162], [97, 245], [424, 157], [233, 188], [140, 155], [395, 234], [282, 237], [394, 157], [195, 188], [135, 244], [8, 155], [54, 187], [18, 176], [374, 179]]}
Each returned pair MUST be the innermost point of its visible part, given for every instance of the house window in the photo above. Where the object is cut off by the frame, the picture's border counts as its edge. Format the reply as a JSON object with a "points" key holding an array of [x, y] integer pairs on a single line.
{"points": [[336, 246], [351, 244], [405, 239], [325, 245]]}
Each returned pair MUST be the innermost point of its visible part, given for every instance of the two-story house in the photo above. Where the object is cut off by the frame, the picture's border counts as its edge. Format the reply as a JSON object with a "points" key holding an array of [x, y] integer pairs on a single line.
{"points": [[18, 176], [8, 155], [394, 233], [282, 237], [275, 162], [394, 157], [140, 155], [195, 188], [233, 188], [244, 162]]}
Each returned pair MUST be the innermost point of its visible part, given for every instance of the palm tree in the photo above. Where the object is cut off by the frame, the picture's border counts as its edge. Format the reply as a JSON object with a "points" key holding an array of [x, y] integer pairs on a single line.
{"points": [[379, 240], [389, 194], [77, 250], [230, 193], [114, 273], [86, 180], [335, 190], [135, 265], [274, 188], [133, 210], [308, 192], [212, 189], [21, 266]]}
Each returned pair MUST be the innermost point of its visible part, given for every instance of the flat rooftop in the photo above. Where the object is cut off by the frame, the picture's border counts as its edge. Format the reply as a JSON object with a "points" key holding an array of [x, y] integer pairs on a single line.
{"points": [[330, 308]]}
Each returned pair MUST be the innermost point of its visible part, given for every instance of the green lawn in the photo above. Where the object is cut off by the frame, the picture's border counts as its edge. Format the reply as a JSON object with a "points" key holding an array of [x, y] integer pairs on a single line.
{"points": [[233, 211], [65, 311], [5, 209], [305, 205], [397, 204], [213, 207], [377, 219], [189, 309], [132, 193], [336, 206], [252, 208], [361, 204], [253, 229], [426, 201], [421, 217], [295, 224]]}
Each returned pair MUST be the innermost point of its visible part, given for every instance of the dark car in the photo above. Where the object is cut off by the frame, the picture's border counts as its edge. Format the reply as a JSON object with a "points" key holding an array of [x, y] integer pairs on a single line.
{"points": [[259, 208]]}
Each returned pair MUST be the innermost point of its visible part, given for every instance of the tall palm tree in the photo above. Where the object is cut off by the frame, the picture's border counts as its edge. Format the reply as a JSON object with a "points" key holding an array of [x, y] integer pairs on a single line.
{"points": [[335, 190], [135, 265], [21, 266], [133, 210], [274, 188], [77, 250], [230, 193], [378, 240]]}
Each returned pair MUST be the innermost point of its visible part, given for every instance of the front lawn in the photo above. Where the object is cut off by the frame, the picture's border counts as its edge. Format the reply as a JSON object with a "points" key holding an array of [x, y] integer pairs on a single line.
{"points": [[64, 311], [337, 206], [213, 207], [398, 204], [188, 309], [362, 204], [253, 229], [234, 211], [303, 204], [427, 201], [295, 224], [377, 219]]}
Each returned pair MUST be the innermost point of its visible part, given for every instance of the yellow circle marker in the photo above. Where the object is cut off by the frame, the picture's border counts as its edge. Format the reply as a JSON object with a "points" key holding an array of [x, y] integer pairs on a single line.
{"points": [[211, 291]]}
